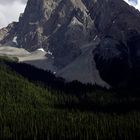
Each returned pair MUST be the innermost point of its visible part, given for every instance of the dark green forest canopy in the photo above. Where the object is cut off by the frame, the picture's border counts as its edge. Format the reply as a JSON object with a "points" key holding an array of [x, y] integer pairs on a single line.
{"points": [[31, 110]]}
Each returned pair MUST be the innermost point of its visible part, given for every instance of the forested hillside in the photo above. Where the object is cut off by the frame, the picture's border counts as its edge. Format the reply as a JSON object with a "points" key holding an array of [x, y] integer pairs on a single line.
{"points": [[33, 110]]}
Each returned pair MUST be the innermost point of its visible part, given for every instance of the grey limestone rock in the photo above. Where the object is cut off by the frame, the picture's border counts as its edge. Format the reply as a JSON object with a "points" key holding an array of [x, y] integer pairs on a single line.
{"points": [[70, 30]]}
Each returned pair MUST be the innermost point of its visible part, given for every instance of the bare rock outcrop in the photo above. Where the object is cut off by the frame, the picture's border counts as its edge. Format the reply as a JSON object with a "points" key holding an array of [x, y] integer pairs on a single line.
{"points": [[79, 33]]}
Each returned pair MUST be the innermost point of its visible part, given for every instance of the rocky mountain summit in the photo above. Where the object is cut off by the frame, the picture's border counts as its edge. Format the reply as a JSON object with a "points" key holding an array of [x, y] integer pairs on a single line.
{"points": [[93, 41]]}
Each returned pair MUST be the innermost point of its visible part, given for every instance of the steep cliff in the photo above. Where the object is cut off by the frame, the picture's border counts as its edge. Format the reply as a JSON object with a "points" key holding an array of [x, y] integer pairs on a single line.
{"points": [[80, 35]]}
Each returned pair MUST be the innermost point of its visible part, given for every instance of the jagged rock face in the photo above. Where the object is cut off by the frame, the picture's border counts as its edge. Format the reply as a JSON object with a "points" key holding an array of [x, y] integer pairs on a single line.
{"points": [[114, 18], [70, 30], [30, 32], [7, 34], [60, 26], [117, 62]]}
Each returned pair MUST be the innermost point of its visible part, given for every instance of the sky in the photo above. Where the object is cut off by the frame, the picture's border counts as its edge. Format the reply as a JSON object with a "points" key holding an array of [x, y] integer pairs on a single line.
{"points": [[11, 9], [135, 3]]}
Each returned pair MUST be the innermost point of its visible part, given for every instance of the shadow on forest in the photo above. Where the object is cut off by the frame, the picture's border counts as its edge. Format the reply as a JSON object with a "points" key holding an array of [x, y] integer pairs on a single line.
{"points": [[113, 100], [50, 81]]}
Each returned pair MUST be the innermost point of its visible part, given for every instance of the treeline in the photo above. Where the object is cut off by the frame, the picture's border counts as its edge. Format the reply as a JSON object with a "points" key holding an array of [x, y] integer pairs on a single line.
{"points": [[81, 96], [49, 80]]}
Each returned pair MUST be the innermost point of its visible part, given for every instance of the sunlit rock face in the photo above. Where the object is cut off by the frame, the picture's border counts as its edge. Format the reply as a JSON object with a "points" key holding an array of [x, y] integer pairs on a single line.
{"points": [[58, 25], [77, 33]]}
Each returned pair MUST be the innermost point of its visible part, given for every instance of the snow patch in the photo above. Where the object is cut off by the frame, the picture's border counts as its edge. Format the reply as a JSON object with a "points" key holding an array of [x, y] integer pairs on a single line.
{"points": [[58, 25], [114, 21], [54, 72], [75, 21], [15, 40], [95, 37], [41, 49], [49, 52]]}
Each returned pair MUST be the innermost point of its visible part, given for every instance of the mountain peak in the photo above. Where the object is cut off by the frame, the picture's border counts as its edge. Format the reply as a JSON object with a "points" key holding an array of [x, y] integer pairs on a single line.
{"points": [[76, 32]]}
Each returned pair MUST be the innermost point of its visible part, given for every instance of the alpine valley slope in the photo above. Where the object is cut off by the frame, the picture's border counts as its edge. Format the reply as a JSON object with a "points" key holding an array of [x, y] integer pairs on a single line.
{"points": [[93, 41]]}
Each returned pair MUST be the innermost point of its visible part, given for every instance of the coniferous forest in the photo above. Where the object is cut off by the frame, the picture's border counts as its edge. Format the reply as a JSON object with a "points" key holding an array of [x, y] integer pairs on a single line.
{"points": [[34, 104]]}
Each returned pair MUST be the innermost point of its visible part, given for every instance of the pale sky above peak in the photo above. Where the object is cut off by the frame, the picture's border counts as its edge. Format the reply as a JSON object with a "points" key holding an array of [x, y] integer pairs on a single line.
{"points": [[135, 3], [10, 11]]}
